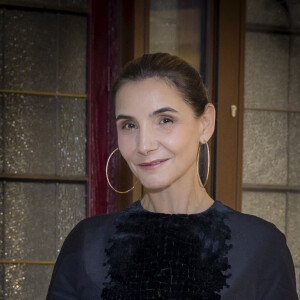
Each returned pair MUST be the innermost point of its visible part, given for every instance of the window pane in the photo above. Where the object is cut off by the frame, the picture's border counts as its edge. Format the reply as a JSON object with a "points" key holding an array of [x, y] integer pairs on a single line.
{"points": [[1, 133], [266, 82], [25, 281], [30, 51], [29, 134], [72, 54], [30, 217], [70, 209], [71, 136], [261, 204], [176, 28], [265, 147]]}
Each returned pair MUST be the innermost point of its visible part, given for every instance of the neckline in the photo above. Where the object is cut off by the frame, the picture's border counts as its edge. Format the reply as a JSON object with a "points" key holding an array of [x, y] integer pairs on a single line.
{"points": [[139, 205]]}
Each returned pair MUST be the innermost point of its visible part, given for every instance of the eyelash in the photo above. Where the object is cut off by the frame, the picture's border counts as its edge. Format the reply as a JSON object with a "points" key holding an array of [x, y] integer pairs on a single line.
{"points": [[131, 126], [169, 120], [126, 124]]}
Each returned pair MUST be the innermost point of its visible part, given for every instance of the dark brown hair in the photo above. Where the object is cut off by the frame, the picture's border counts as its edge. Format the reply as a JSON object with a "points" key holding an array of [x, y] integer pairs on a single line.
{"points": [[173, 70]]}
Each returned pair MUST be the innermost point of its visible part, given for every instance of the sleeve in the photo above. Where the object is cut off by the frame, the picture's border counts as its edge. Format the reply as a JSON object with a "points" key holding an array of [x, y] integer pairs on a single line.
{"points": [[277, 276], [68, 267]]}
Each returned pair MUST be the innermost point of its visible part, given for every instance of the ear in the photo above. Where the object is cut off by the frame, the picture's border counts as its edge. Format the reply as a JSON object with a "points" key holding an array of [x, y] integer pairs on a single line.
{"points": [[207, 123]]}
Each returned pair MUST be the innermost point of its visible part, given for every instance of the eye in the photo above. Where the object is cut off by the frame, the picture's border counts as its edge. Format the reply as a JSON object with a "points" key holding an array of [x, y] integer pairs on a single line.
{"points": [[128, 126], [166, 120]]}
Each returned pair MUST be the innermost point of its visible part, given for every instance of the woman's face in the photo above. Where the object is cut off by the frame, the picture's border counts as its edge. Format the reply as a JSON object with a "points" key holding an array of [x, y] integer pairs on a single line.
{"points": [[158, 134]]}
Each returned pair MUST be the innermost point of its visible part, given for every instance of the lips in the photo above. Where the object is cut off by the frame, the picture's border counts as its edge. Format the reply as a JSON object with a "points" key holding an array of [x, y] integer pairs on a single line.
{"points": [[153, 164]]}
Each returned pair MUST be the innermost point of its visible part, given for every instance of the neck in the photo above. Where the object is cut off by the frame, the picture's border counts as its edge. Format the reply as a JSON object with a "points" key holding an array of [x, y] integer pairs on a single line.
{"points": [[181, 197]]}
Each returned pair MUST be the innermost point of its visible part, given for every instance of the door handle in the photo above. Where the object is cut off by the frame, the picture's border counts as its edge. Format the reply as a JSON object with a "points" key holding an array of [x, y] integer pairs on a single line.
{"points": [[233, 111]]}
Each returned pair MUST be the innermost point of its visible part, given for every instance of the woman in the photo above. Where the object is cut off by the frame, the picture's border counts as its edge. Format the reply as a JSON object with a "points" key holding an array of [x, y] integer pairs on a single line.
{"points": [[176, 242]]}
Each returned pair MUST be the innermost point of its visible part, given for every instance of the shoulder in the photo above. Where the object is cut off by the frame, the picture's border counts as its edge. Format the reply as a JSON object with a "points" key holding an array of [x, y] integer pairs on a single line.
{"points": [[98, 222], [245, 226], [255, 239], [82, 252], [86, 238], [85, 231], [259, 251]]}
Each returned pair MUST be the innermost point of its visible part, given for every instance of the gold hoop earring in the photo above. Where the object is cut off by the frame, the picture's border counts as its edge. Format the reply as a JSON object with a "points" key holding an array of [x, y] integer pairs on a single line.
{"points": [[120, 192], [208, 165]]}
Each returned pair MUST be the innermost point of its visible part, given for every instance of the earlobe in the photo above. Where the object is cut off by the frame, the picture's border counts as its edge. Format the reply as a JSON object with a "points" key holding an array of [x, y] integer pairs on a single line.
{"points": [[207, 123]]}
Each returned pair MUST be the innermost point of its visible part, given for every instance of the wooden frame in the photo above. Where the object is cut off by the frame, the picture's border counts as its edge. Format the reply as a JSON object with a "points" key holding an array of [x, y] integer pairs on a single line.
{"points": [[230, 91]]}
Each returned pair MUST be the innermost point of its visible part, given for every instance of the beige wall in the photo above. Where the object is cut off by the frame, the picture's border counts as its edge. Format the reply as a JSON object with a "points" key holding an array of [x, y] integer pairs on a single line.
{"points": [[271, 159]]}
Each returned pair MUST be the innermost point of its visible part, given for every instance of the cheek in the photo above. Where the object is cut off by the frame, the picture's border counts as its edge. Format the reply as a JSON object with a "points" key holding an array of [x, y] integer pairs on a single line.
{"points": [[126, 146], [181, 141]]}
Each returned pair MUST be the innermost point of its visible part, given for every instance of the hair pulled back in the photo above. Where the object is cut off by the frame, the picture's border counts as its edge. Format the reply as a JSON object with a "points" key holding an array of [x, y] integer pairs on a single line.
{"points": [[173, 70]]}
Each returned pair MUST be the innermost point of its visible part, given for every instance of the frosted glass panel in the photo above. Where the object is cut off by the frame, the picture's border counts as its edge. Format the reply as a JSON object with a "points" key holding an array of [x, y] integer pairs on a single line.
{"points": [[268, 12], [25, 282], [265, 147], [262, 204], [1, 133], [71, 136], [2, 270], [293, 226], [1, 222], [1, 49], [70, 210], [72, 54], [164, 27], [295, 73], [266, 70], [30, 134], [46, 52], [176, 27], [29, 221], [294, 149], [30, 50]]}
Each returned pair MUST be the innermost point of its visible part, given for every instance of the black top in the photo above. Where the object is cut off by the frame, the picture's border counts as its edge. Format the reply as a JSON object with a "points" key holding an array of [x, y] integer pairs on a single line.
{"points": [[137, 254]]}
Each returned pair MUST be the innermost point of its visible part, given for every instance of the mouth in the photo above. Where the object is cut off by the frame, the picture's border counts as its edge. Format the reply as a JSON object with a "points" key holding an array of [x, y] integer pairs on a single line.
{"points": [[153, 164]]}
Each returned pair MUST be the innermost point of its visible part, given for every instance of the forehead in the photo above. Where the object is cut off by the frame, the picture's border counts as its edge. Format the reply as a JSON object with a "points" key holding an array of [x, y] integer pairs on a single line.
{"points": [[148, 95]]}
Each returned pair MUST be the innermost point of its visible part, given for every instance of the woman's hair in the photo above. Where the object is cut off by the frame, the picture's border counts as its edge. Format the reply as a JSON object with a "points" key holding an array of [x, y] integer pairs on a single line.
{"points": [[173, 70]]}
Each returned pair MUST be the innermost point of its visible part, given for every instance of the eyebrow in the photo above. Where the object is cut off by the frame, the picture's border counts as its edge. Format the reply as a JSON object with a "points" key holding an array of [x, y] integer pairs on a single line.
{"points": [[164, 109], [156, 112], [119, 117]]}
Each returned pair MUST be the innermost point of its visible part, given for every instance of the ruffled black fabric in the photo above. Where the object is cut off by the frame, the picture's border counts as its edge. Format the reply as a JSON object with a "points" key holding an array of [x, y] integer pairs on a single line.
{"points": [[167, 256]]}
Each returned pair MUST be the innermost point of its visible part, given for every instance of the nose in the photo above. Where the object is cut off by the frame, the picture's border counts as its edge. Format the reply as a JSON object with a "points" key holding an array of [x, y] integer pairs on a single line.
{"points": [[147, 141]]}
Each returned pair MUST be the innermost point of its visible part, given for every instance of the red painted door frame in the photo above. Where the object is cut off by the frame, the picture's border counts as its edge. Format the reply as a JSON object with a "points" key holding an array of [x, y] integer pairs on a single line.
{"points": [[101, 135], [111, 45]]}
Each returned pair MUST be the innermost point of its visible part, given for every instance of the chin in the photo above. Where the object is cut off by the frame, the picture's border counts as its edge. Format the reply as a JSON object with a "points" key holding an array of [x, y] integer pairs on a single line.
{"points": [[155, 185]]}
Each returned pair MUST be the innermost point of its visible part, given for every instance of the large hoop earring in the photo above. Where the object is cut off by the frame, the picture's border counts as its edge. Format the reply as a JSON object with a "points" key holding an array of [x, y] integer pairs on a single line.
{"points": [[208, 165], [107, 163]]}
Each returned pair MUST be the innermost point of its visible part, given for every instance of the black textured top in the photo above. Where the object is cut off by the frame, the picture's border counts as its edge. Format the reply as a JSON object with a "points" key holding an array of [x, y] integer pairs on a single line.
{"points": [[137, 254]]}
